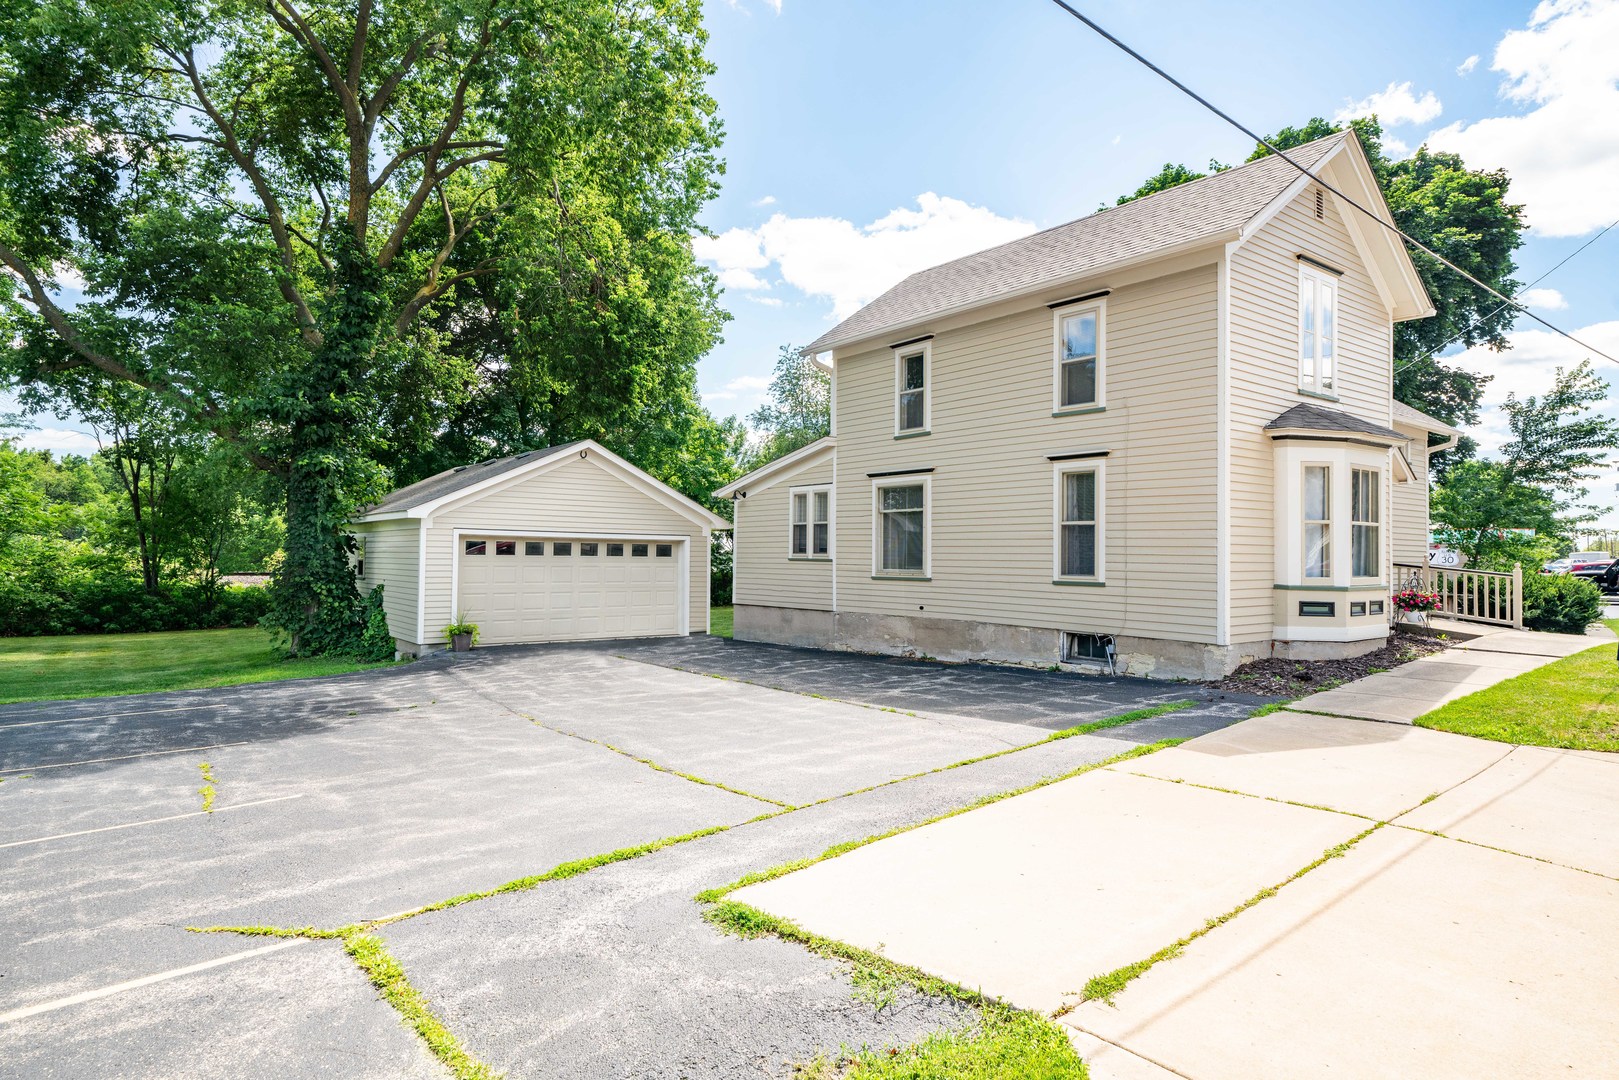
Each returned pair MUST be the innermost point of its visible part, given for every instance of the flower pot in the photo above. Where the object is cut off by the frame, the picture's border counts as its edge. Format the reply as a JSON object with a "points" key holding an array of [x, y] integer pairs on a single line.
{"points": [[462, 642]]}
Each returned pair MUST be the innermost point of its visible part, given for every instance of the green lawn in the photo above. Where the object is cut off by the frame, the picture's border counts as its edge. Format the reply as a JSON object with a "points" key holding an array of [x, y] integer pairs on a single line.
{"points": [[719, 621], [1572, 703], [102, 665]]}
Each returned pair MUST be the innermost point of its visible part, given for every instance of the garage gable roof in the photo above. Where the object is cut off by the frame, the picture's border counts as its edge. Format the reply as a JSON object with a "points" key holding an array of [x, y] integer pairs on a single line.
{"points": [[779, 469], [467, 482]]}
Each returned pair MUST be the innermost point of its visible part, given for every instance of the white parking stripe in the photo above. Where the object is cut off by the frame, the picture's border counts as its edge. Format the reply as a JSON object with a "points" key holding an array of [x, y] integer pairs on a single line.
{"points": [[125, 757], [136, 984], [150, 821]]}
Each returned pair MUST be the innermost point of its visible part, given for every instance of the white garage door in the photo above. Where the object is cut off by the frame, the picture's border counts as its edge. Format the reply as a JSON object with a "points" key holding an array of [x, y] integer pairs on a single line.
{"points": [[522, 589]]}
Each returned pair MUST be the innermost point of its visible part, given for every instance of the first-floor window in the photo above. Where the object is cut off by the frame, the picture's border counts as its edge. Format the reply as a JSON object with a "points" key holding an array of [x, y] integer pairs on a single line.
{"points": [[811, 523], [1317, 521], [902, 539], [1365, 552], [1078, 521]]}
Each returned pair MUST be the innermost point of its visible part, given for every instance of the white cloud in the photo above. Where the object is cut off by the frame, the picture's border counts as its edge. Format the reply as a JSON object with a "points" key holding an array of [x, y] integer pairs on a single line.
{"points": [[1466, 66], [1544, 299], [1563, 153], [748, 382], [1529, 366], [767, 301], [57, 440], [768, 200], [1394, 105], [849, 264]]}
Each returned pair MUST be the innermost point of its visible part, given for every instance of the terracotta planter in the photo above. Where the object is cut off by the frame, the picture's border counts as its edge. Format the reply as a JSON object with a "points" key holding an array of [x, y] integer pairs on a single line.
{"points": [[462, 642]]}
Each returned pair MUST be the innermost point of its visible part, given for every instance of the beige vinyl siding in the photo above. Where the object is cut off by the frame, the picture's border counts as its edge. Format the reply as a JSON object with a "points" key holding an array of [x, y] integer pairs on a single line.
{"points": [[1264, 342], [576, 498], [392, 559], [992, 514], [1410, 505], [764, 573]]}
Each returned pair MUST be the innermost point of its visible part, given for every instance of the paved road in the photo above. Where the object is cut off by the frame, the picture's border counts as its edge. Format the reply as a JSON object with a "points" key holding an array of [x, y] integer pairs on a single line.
{"points": [[346, 799]]}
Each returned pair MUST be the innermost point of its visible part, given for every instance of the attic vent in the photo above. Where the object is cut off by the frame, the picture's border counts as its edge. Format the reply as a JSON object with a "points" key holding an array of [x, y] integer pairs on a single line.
{"points": [[459, 468], [1320, 205]]}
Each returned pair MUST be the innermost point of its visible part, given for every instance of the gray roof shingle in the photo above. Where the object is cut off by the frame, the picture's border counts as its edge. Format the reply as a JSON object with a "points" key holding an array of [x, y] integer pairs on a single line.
{"points": [[1185, 214], [1315, 418], [453, 480]]}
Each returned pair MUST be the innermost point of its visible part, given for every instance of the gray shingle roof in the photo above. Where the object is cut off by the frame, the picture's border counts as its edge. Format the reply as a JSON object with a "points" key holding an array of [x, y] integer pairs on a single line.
{"points": [[1315, 418], [1185, 214], [453, 480]]}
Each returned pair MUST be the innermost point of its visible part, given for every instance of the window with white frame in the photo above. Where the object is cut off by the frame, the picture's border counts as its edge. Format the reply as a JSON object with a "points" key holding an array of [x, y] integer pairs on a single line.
{"points": [[1365, 548], [811, 523], [1318, 329], [1079, 522], [901, 525], [1079, 357], [1317, 521], [912, 371]]}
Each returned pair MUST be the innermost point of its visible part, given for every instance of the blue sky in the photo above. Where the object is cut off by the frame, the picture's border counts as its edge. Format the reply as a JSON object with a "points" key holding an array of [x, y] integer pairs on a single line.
{"points": [[866, 140]]}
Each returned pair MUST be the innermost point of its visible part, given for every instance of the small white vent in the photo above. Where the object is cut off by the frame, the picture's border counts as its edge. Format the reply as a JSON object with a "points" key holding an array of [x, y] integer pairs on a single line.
{"points": [[1320, 205]]}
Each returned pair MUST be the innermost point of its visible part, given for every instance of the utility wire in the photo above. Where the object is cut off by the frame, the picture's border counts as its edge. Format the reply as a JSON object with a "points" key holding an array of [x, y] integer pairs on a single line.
{"points": [[1448, 342], [1267, 144]]}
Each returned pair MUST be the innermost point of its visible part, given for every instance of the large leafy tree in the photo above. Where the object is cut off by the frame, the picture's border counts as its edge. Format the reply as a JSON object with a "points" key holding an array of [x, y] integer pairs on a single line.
{"points": [[797, 409], [320, 229], [1461, 213]]}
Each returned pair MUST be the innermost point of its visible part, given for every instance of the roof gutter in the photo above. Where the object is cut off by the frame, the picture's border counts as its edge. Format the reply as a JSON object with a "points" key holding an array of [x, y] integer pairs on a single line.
{"points": [[830, 341]]}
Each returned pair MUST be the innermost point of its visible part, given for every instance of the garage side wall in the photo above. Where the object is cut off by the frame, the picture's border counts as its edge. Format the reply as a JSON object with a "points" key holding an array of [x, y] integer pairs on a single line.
{"points": [[578, 498], [391, 559]]}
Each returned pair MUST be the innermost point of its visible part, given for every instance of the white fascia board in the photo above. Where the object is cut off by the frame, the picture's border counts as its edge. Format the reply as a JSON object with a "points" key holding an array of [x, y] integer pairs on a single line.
{"points": [[1052, 287], [775, 471], [1336, 435]]}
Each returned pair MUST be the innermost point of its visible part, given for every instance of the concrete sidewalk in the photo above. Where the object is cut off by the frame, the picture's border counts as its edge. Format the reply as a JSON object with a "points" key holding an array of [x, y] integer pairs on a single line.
{"points": [[1401, 695], [1466, 932]]}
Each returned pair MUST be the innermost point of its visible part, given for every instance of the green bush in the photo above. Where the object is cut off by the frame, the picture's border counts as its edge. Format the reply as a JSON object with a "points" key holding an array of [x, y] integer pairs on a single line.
{"points": [[46, 594], [1560, 603], [376, 640]]}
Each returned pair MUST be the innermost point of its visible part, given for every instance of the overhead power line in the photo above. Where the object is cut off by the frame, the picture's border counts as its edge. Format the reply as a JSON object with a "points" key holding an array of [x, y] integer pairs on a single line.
{"points": [[1448, 342], [1273, 148]]}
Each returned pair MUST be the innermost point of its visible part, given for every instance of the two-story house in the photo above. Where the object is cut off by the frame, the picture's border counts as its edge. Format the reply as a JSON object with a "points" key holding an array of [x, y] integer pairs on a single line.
{"points": [[1161, 434]]}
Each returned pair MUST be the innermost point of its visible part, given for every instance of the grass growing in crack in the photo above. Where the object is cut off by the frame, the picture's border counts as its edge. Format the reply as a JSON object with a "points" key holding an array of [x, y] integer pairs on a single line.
{"points": [[269, 931], [1107, 986], [1005, 1043], [653, 765], [207, 789], [710, 896], [388, 977], [1266, 710]]}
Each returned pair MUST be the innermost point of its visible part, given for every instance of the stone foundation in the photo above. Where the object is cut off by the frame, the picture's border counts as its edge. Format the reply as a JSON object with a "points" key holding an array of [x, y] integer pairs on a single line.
{"points": [[1325, 650], [962, 640]]}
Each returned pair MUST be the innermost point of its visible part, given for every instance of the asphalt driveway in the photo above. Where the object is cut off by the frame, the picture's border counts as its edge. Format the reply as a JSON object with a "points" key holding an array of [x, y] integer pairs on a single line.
{"points": [[342, 800]]}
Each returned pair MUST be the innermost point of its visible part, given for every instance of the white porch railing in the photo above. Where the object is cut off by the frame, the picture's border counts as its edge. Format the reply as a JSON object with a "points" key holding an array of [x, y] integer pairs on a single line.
{"points": [[1481, 596]]}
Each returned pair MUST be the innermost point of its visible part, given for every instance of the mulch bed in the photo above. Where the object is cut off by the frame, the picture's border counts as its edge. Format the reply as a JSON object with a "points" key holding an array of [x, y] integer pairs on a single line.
{"points": [[1294, 678]]}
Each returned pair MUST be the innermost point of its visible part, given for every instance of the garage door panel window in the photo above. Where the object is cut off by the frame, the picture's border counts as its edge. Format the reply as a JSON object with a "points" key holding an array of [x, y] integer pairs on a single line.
{"points": [[477, 547], [505, 547], [562, 547], [588, 549], [534, 547], [666, 551], [638, 551], [615, 550]]}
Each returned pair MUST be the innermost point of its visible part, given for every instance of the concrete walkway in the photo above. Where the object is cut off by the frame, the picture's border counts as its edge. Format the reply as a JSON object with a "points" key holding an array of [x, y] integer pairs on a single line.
{"points": [[1404, 693], [1465, 931]]}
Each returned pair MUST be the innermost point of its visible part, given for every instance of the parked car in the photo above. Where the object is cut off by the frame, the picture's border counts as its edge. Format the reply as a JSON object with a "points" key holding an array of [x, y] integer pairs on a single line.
{"points": [[1591, 565], [1609, 581], [1557, 566]]}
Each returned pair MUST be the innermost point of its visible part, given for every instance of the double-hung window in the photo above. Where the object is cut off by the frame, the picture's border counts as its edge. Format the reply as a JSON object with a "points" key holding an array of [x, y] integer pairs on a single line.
{"points": [[1078, 357], [1365, 548], [913, 370], [1317, 521], [901, 542], [811, 523], [1318, 330], [1079, 523]]}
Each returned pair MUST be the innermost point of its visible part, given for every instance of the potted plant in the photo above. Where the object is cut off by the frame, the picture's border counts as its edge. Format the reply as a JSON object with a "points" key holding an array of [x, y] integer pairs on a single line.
{"points": [[463, 635], [1415, 602]]}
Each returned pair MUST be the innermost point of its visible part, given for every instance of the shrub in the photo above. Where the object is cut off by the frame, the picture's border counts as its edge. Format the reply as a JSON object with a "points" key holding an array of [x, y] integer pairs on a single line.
{"points": [[79, 602], [376, 640], [719, 571], [1560, 603]]}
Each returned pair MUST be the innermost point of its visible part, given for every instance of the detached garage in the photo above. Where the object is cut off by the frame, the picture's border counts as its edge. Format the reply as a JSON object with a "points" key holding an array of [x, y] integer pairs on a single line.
{"points": [[569, 543]]}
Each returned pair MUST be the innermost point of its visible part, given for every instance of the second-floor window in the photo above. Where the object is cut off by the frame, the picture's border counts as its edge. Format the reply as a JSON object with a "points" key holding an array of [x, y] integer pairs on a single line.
{"points": [[1318, 330], [1079, 357], [912, 372], [811, 523]]}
